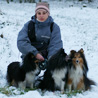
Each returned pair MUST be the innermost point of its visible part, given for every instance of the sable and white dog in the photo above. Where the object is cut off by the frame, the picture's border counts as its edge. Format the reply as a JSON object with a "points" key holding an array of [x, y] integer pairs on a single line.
{"points": [[55, 75], [23, 75], [77, 75]]}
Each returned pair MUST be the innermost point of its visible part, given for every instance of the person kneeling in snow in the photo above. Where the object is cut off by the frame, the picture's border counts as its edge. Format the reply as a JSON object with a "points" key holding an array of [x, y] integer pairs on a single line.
{"points": [[41, 35]]}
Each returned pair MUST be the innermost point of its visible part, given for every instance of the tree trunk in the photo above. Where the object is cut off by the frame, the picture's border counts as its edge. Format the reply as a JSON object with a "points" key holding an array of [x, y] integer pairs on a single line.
{"points": [[89, 0], [7, 1], [32, 1], [25, 1], [20, 1], [40, 0]]}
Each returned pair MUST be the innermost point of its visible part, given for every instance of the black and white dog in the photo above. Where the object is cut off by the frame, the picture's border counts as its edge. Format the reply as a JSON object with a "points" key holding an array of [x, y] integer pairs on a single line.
{"points": [[23, 75], [55, 76]]}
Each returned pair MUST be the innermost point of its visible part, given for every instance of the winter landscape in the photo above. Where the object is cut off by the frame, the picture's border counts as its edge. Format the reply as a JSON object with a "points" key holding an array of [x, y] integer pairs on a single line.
{"points": [[79, 29]]}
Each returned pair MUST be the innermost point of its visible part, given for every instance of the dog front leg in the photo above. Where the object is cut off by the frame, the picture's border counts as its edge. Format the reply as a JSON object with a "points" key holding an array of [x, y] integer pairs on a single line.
{"points": [[13, 83], [22, 85], [31, 86], [69, 85], [62, 86]]}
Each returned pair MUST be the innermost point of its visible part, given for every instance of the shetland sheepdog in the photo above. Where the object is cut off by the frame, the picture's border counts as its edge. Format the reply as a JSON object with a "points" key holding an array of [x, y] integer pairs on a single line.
{"points": [[23, 74], [54, 77], [77, 75]]}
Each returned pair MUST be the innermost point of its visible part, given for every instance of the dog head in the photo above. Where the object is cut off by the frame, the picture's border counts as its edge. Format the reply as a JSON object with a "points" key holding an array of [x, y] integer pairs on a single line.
{"points": [[30, 63], [78, 59], [58, 60]]}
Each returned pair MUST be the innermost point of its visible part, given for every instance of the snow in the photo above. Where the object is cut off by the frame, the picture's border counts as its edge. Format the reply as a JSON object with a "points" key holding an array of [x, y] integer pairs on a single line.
{"points": [[79, 29]]}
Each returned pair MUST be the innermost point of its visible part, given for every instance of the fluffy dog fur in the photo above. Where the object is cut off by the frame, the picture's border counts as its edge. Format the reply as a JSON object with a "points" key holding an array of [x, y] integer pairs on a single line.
{"points": [[23, 75], [77, 75], [56, 72]]}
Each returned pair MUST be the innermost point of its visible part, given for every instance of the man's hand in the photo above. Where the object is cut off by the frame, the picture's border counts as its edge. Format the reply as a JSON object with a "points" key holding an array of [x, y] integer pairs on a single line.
{"points": [[39, 57]]}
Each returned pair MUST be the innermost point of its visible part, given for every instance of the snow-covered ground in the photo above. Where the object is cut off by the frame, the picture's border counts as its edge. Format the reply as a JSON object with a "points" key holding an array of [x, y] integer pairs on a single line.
{"points": [[79, 29]]}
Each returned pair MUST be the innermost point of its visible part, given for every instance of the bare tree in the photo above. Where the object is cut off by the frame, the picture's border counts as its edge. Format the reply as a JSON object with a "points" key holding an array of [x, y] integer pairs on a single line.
{"points": [[89, 0], [80, 0], [86, 0], [7, 1], [40, 0], [20, 1], [32, 1]]}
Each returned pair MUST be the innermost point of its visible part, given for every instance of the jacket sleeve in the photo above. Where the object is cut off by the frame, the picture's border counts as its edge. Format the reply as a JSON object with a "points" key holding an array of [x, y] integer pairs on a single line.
{"points": [[23, 42], [55, 41]]}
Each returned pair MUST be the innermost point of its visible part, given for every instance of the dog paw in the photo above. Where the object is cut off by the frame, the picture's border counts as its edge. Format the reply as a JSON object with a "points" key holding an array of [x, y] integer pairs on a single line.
{"points": [[31, 86], [62, 91]]}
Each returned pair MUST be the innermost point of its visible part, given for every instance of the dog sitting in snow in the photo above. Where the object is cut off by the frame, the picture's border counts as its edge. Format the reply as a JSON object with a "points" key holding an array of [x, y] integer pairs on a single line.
{"points": [[77, 75], [55, 75], [23, 75]]}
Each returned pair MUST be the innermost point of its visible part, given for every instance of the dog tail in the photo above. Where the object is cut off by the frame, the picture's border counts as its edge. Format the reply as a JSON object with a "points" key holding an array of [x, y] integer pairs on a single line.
{"points": [[88, 83]]}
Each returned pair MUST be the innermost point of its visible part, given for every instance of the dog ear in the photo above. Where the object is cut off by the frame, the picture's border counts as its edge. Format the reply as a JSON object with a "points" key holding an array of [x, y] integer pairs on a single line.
{"points": [[72, 52], [31, 55], [67, 58], [81, 50], [84, 60]]}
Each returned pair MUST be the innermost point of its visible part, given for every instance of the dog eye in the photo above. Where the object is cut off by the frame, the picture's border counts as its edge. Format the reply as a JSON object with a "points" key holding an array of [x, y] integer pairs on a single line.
{"points": [[37, 63]]}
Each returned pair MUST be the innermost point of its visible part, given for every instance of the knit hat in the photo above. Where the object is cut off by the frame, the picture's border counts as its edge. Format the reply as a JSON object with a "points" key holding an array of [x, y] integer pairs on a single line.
{"points": [[42, 5]]}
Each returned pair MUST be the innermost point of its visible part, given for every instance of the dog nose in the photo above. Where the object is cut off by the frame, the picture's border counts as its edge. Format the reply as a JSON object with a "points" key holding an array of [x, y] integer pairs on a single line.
{"points": [[77, 61]]}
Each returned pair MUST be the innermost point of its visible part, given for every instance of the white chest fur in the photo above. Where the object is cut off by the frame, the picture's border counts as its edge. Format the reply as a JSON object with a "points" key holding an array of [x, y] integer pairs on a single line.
{"points": [[58, 76], [30, 76], [75, 75]]}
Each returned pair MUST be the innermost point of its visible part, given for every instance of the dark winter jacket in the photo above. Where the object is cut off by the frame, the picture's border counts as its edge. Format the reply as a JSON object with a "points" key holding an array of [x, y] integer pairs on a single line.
{"points": [[43, 33]]}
